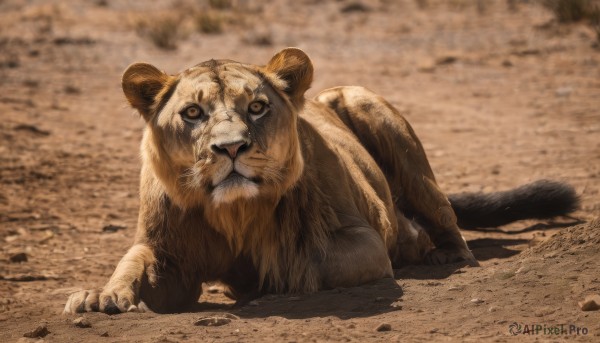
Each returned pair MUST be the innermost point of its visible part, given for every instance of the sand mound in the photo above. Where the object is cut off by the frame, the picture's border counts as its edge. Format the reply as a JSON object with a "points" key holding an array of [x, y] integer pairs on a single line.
{"points": [[577, 238]]}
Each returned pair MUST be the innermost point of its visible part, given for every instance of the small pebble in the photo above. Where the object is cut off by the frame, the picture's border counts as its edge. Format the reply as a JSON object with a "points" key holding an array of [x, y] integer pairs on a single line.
{"points": [[396, 305], [456, 288], [563, 91], [82, 323], [477, 301], [110, 228], [213, 321], [447, 59], [384, 327], [20, 257], [426, 66], [104, 334], [590, 303], [253, 303], [39, 332], [523, 270]]}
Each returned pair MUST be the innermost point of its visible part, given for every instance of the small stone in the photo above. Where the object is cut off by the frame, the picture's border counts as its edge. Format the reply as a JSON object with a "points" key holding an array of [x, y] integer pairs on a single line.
{"points": [[505, 275], [253, 303], [507, 63], [81, 322], [563, 91], [380, 299], [523, 270], [477, 301], [39, 332], [213, 321], [384, 327], [456, 288], [446, 59], [17, 258], [231, 316], [590, 303], [396, 305], [112, 228], [434, 330], [104, 334], [426, 66], [492, 309]]}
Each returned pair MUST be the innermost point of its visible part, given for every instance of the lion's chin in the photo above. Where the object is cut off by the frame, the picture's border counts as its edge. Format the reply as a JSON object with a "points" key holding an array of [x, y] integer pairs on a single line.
{"points": [[234, 187]]}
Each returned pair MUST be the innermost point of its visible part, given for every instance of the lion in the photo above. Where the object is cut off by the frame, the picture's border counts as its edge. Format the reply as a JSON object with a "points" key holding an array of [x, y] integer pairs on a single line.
{"points": [[246, 182]]}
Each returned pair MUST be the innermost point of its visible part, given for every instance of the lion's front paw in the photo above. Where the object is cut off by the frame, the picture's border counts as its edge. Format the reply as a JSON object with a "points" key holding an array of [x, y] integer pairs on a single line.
{"points": [[83, 301], [110, 301]]}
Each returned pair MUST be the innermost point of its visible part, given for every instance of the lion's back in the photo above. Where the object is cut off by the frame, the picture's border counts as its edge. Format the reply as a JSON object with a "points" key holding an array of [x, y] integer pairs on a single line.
{"points": [[367, 182]]}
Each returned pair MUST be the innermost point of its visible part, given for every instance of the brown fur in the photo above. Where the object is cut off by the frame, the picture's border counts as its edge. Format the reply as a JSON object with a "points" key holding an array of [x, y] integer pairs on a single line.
{"points": [[321, 197]]}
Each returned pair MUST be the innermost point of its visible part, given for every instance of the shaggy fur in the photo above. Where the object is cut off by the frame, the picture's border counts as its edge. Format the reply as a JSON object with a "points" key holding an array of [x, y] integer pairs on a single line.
{"points": [[266, 191]]}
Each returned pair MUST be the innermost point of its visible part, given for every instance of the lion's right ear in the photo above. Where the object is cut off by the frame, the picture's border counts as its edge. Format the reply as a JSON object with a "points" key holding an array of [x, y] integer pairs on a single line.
{"points": [[142, 83]]}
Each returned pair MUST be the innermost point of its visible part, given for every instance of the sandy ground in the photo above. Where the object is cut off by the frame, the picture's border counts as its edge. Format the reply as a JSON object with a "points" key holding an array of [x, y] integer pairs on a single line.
{"points": [[499, 98]]}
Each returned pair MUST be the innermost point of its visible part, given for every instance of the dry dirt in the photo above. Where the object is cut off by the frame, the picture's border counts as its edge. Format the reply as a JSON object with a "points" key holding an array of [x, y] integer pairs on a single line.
{"points": [[499, 98]]}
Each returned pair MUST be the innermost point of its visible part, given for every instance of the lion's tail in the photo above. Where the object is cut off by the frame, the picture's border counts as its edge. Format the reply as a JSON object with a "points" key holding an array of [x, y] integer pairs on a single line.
{"points": [[537, 200]]}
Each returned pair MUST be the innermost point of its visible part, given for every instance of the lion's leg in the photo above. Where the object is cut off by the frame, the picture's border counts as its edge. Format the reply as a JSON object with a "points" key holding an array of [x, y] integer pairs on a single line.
{"points": [[413, 243], [393, 144], [242, 281], [171, 291], [121, 293], [138, 279], [354, 256]]}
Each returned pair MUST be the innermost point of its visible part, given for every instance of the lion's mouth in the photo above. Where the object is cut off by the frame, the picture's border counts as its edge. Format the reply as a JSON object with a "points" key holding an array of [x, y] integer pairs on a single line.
{"points": [[236, 179], [235, 186]]}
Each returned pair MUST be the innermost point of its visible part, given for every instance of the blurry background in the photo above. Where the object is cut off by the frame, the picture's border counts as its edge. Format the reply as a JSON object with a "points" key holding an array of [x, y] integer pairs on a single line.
{"points": [[501, 92]]}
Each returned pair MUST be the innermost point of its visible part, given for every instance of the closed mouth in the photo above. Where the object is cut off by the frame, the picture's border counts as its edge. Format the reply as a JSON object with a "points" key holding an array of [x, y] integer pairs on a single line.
{"points": [[236, 179]]}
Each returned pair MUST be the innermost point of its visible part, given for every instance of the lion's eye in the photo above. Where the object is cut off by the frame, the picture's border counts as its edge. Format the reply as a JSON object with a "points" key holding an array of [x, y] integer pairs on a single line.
{"points": [[191, 113], [257, 109]]}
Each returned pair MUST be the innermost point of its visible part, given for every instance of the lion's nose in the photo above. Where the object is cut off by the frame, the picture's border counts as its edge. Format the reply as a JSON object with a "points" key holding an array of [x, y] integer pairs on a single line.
{"points": [[230, 148]]}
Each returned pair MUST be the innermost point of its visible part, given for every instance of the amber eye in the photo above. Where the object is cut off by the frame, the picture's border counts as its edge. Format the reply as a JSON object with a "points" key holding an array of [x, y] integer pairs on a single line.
{"points": [[257, 109], [192, 113]]}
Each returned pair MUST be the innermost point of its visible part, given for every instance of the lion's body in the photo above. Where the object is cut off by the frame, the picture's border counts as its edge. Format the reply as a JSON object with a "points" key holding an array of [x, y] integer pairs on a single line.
{"points": [[247, 183], [282, 241]]}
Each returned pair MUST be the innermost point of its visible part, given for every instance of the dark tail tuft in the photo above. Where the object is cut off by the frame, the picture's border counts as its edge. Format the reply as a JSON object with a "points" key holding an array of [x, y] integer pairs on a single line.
{"points": [[537, 200]]}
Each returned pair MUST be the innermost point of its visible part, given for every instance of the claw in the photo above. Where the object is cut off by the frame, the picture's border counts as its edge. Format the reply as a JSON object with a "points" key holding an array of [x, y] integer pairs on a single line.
{"points": [[110, 307]]}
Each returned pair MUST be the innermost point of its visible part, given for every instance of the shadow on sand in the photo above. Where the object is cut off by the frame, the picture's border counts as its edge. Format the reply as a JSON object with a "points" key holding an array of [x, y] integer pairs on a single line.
{"points": [[375, 298], [368, 300]]}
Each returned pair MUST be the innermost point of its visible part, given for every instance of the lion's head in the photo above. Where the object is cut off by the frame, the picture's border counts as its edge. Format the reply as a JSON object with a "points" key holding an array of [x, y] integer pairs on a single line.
{"points": [[222, 131]]}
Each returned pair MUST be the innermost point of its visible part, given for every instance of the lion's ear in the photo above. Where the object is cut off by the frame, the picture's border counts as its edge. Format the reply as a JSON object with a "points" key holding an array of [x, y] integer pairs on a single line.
{"points": [[294, 67], [142, 82]]}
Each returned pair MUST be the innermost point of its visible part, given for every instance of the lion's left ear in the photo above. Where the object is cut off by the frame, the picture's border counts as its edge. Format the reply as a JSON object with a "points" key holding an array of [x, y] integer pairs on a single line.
{"points": [[294, 67]]}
